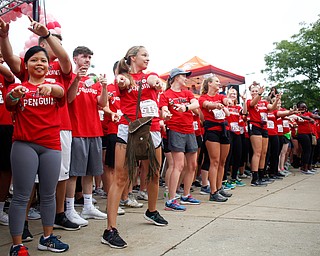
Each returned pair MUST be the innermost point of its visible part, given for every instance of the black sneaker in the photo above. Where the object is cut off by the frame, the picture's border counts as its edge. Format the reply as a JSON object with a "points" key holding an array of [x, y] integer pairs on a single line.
{"points": [[26, 235], [197, 184], [224, 193], [280, 175], [19, 250], [258, 183], [61, 221], [217, 197], [112, 238], [155, 218]]}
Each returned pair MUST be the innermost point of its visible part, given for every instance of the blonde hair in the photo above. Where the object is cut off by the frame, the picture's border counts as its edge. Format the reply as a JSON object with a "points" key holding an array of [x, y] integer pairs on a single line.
{"points": [[205, 82]]}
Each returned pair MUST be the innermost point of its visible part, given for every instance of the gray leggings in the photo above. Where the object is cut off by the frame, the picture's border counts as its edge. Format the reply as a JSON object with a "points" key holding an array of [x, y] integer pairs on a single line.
{"points": [[28, 159]]}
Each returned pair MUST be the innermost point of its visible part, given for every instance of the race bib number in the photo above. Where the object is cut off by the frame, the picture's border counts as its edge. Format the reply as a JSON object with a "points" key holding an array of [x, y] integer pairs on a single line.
{"points": [[219, 114], [195, 125], [285, 123], [264, 117], [1, 98], [280, 128], [270, 124], [149, 108], [242, 130], [234, 126], [101, 115]]}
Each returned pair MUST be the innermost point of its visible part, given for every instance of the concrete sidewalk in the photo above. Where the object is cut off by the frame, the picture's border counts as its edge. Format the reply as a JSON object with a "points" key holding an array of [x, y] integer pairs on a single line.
{"points": [[280, 219]]}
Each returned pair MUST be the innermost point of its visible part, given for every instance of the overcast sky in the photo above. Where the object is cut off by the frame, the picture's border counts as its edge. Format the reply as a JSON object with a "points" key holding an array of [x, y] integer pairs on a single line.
{"points": [[232, 35]]}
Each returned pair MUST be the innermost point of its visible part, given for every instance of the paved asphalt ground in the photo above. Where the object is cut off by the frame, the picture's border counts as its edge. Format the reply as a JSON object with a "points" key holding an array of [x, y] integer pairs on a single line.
{"points": [[280, 219]]}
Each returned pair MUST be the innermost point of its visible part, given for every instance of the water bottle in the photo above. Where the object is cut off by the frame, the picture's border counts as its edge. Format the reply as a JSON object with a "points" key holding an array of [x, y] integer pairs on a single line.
{"points": [[91, 81], [166, 194]]}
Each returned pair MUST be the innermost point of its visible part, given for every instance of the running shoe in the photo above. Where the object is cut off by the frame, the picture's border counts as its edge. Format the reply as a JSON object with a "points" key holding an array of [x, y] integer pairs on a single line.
{"points": [[189, 200], [112, 238], [53, 244], [155, 218], [173, 205], [19, 250]]}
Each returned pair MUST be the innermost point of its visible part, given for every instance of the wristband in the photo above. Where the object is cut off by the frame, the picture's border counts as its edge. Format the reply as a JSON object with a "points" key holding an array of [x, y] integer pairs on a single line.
{"points": [[187, 108], [45, 37], [13, 98]]}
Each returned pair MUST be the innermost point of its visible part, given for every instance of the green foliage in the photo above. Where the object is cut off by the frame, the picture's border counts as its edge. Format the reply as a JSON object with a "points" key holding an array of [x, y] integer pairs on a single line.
{"points": [[294, 65]]}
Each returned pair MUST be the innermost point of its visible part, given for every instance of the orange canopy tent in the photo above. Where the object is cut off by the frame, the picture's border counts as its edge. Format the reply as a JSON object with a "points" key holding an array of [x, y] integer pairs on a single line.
{"points": [[200, 68]]}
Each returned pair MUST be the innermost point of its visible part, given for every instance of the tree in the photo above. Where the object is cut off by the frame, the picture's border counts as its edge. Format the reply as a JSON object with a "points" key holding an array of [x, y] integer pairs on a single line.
{"points": [[295, 66]]}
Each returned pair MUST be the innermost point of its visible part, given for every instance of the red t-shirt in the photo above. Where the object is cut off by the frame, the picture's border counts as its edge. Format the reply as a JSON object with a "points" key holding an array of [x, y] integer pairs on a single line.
{"points": [[214, 115], [234, 119], [5, 116], [305, 126], [272, 126], [53, 75], [258, 114], [36, 117], [83, 111], [149, 103], [108, 126], [180, 121]]}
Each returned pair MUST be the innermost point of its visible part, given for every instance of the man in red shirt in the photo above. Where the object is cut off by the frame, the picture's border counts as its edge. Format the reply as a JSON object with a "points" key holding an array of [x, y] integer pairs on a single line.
{"points": [[84, 96]]}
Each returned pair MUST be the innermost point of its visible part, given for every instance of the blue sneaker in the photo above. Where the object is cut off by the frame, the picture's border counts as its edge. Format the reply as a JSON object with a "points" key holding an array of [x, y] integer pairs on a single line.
{"points": [[237, 183], [53, 244], [19, 250], [227, 186], [189, 200], [205, 190], [174, 206]]}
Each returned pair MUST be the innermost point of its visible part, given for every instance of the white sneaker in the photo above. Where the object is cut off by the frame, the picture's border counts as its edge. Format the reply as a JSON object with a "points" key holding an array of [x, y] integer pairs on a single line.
{"points": [[74, 217], [121, 211], [142, 195], [93, 213], [4, 219], [308, 172], [131, 202], [33, 214]]}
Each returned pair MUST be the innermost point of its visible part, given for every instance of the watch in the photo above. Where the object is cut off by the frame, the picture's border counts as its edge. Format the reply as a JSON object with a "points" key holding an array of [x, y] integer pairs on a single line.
{"points": [[187, 108]]}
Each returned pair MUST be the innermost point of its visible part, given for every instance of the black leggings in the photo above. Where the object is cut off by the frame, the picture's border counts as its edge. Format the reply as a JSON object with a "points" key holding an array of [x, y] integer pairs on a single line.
{"points": [[307, 148], [272, 157], [234, 156]]}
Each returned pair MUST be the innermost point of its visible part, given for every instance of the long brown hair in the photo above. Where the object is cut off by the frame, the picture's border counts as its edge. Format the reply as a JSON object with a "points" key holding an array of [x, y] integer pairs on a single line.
{"points": [[124, 65], [205, 84]]}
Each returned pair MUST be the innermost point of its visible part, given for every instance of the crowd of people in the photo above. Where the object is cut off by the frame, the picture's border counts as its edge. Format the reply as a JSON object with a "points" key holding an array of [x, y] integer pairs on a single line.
{"points": [[64, 132]]}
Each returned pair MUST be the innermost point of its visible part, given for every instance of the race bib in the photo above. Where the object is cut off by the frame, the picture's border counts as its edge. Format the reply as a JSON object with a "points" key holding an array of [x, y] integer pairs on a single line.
{"points": [[195, 125], [280, 128], [270, 124], [101, 115], [242, 130], [1, 98], [149, 108], [264, 117], [285, 123], [218, 114], [234, 126]]}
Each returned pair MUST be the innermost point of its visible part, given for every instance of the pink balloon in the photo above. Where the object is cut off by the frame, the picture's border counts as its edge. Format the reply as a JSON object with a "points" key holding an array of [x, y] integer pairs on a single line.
{"points": [[22, 54], [34, 41], [24, 10], [58, 30], [57, 25], [28, 44], [19, 14], [50, 25]]}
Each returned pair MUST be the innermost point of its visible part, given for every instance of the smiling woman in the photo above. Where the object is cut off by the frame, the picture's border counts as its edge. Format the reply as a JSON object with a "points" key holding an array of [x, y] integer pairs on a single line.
{"points": [[35, 106]]}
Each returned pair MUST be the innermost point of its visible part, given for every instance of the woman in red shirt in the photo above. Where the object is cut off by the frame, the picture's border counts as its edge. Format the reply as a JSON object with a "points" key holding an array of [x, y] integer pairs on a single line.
{"points": [[258, 115], [36, 148], [216, 137]]}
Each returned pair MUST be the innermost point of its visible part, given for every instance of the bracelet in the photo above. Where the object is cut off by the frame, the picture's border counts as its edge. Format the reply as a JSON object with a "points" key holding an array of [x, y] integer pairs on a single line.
{"points": [[13, 98], [45, 37], [187, 108]]}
